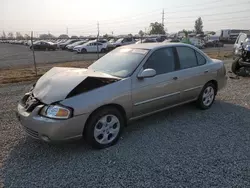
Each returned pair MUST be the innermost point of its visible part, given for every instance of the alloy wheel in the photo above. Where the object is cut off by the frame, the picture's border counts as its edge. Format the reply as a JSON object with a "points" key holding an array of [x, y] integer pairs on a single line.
{"points": [[107, 129], [208, 96]]}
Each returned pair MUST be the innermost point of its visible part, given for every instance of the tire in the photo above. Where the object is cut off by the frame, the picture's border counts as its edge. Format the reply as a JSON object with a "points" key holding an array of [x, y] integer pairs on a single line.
{"points": [[95, 131], [103, 50], [235, 66], [83, 50], [204, 102]]}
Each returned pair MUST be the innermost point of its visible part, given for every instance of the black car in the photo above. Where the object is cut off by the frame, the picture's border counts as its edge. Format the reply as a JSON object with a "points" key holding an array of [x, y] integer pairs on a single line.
{"points": [[71, 41], [43, 45], [214, 43]]}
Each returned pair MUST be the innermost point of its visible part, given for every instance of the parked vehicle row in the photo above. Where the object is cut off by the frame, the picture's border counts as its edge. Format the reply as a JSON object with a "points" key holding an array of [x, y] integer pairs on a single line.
{"points": [[103, 45]]}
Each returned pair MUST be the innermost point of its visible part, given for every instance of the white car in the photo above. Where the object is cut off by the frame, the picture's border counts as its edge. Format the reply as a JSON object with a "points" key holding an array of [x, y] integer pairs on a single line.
{"points": [[91, 46], [197, 42], [124, 41]]}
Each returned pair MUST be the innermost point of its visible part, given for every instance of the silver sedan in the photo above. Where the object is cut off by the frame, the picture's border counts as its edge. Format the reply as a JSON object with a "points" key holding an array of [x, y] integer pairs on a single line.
{"points": [[126, 84]]}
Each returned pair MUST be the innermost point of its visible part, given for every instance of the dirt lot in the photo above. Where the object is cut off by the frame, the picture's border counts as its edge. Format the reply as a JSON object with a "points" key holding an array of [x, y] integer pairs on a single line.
{"points": [[15, 55], [180, 147]]}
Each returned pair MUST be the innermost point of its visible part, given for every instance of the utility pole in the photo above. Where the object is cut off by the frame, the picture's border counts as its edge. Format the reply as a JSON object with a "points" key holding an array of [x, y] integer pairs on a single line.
{"points": [[98, 32], [163, 18], [33, 52]]}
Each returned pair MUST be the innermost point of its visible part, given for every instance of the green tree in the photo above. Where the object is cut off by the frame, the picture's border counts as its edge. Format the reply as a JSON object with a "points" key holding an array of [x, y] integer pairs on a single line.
{"points": [[26, 36], [19, 36], [105, 36], [211, 33], [141, 33], [3, 35], [198, 26], [185, 32], [156, 28], [10, 35], [63, 36], [74, 37]]}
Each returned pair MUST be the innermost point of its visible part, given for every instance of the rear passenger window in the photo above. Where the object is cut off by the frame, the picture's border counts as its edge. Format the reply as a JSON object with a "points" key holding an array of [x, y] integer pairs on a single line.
{"points": [[187, 57], [201, 60], [162, 61]]}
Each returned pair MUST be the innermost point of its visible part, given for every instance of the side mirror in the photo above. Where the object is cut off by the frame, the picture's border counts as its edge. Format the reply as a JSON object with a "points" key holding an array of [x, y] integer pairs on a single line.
{"points": [[147, 73]]}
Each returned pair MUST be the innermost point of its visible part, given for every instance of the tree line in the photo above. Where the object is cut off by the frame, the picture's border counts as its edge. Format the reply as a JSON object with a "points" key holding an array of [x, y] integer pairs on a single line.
{"points": [[155, 29]]}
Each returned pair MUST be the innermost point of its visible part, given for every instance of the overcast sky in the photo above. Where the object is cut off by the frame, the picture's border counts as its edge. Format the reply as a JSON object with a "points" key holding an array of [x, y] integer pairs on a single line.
{"points": [[119, 16]]}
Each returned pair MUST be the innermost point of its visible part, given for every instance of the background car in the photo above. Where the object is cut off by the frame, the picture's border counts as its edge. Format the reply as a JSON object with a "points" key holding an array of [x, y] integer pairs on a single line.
{"points": [[171, 40], [43, 45], [91, 46], [64, 44], [124, 41], [71, 46], [147, 40]]}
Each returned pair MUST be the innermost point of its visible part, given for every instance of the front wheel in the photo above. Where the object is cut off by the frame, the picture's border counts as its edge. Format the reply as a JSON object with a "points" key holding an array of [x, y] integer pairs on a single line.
{"points": [[207, 96], [103, 50], [104, 128], [83, 50], [235, 66]]}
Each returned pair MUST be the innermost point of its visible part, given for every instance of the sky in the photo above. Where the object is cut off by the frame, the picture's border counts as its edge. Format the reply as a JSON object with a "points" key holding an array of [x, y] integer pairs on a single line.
{"points": [[119, 16]]}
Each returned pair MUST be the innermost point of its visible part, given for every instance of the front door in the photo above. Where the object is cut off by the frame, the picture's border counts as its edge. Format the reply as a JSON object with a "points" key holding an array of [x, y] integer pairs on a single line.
{"points": [[158, 92]]}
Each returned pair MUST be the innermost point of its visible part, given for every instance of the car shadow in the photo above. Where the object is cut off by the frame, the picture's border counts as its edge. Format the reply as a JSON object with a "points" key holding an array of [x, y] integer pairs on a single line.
{"points": [[33, 163]]}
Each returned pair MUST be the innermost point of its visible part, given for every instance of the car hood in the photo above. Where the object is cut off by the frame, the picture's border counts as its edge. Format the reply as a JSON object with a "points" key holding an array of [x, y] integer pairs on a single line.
{"points": [[56, 84]]}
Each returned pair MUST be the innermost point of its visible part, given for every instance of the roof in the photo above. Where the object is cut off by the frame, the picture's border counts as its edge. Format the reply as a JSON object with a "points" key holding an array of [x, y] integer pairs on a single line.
{"points": [[150, 46]]}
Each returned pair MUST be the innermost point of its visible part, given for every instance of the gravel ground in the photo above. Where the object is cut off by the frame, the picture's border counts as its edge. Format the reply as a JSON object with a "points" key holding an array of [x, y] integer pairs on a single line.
{"points": [[12, 55], [181, 147]]}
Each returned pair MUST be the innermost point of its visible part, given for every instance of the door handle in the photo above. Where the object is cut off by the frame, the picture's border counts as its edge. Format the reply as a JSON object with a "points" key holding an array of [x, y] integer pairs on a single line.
{"points": [[175, 78]]}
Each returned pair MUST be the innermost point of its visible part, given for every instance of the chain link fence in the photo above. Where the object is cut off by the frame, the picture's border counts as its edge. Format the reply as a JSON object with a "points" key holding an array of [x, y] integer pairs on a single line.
{"points": [[20, 62]]}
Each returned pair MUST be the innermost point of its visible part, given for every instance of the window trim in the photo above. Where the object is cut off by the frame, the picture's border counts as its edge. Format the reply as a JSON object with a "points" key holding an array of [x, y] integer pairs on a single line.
{"points": [[175, 60], [197, 58]]}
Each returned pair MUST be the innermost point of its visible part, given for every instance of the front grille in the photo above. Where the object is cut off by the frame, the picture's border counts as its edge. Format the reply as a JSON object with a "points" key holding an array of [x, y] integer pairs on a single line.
{"points": [[31, 132]]}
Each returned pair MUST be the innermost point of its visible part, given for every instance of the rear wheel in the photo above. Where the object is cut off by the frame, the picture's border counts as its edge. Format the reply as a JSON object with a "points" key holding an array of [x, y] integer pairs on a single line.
{"points": [[104, 128], [207, 96], [83, 50], [103, 50]]}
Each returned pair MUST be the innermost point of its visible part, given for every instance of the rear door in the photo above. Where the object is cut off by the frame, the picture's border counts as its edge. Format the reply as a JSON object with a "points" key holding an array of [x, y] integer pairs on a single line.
{"points": [[194, 72]]}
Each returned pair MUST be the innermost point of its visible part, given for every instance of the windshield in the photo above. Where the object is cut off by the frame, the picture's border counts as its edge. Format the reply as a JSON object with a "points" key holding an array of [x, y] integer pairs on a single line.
{"points": [[120, 62]]}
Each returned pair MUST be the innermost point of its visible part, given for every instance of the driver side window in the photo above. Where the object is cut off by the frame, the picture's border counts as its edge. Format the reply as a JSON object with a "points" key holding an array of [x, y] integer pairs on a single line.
{"points": [[162, 61]]}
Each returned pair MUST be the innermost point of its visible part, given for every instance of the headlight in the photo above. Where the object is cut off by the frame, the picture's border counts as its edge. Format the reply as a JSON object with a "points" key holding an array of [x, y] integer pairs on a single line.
{"points": [[56, 112]]}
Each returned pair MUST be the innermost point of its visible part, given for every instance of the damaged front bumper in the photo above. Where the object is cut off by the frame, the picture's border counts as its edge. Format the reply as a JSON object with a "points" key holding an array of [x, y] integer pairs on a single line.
{"points": [[50, 130]]}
